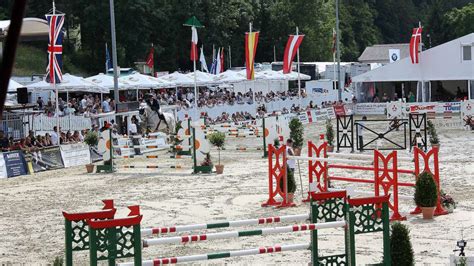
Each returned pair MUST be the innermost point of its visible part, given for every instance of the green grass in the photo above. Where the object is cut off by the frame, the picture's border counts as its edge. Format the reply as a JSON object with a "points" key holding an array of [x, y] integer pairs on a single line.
{"points": [[31, 60]]}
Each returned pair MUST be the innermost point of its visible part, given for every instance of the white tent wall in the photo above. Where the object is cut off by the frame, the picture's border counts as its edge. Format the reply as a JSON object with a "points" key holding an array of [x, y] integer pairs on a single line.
{"points": [[261, 85]]}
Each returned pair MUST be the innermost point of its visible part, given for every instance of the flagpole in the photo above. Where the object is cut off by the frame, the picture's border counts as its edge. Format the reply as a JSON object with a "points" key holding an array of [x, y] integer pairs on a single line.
{"points": [[299, 79], [334, 61], [339, 88], [114, 51], [56, 91], [106, 63], [230, 58]]}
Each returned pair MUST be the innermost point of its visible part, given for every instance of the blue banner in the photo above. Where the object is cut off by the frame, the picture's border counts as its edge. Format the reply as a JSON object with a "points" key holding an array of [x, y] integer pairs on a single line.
{"points": [[15, 163]]}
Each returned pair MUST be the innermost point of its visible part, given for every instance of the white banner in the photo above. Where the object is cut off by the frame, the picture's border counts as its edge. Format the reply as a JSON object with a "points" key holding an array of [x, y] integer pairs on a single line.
{"points": [[436, 107], [3, 167], [394, 55], [370, 108], [75, 154]]}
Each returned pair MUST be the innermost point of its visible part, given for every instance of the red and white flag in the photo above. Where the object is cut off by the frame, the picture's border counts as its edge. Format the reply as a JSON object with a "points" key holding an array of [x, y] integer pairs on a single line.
{"points": [[149, 60], [415, 45], [292, 46], [194, 42], [222, 60]]}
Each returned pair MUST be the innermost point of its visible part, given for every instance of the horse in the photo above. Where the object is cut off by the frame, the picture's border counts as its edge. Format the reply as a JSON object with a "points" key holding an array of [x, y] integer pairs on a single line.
{"points": [[151, 122]]}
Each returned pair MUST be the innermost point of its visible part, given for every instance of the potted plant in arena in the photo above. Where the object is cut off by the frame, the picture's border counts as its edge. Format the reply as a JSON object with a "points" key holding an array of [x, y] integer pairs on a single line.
{"points": [[296, 134], [426, 194], [400, 245], [330, 135], [217, 139], [206, 165], [91, 139], [434, 140]]}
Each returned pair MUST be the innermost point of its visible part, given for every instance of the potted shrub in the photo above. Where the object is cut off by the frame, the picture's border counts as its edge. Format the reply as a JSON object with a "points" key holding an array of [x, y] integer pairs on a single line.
{"points": [[448, 202], [401, 249], [434, 140], [91, 139], [330, 135], [276, 143], [426, 194], [217, 139], [296, 134]]}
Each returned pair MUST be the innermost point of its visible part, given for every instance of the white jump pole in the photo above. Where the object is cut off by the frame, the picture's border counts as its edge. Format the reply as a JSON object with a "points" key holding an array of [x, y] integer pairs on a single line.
{"points": [[237, 234]]}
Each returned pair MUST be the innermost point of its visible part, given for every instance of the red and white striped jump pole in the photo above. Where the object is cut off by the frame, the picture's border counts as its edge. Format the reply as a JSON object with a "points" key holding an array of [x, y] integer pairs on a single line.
{"points": [[224, 224]]}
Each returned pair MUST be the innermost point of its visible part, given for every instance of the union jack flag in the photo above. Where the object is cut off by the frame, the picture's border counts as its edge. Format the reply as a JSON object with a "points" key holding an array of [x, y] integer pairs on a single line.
{"points": [[55, 48]]}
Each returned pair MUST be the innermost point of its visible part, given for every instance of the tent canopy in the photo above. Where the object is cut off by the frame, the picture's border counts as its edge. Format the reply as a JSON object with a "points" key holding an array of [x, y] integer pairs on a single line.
{"points": [[179, 79], [13, 85], [137, 80], [202, 78], [70, 83]]}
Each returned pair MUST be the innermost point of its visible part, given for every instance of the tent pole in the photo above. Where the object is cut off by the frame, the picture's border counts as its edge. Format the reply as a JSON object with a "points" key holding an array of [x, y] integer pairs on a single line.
{"points": [[469, 96]]}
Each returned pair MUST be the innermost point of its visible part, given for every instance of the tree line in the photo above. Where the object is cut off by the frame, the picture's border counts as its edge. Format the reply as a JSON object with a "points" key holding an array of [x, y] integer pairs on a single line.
{"points": [[140, 23]]}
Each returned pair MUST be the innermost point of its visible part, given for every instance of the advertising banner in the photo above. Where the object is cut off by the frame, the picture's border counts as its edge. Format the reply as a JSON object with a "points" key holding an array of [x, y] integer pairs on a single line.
{"points": [[48, 158], [370, 108], [75, 154], [15, 163]]}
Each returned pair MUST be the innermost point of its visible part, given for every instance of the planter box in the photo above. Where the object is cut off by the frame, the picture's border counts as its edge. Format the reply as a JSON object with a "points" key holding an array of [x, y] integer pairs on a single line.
{"points": [[206, 169]]}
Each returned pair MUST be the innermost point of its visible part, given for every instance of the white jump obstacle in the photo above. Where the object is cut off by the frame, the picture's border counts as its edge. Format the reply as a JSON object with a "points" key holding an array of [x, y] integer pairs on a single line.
{"points": [[328, 210]]}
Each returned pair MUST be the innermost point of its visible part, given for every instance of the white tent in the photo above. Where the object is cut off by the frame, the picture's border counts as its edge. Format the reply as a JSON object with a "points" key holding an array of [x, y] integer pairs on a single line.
{"points": [[202, 78], [229, 76], [294, 75], [70, 83], [179, 79], [13, 85], [444, 62], [137, 80], [272, 75], [105, 81]]}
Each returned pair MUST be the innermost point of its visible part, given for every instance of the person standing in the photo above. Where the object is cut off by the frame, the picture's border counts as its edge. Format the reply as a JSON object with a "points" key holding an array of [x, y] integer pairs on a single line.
{"points": [[290, 172], [105, 105], [40, 103], [55, 136]]}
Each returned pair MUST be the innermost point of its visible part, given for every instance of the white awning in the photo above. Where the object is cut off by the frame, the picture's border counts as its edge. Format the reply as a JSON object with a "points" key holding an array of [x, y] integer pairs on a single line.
{"points": [[70, 83]]}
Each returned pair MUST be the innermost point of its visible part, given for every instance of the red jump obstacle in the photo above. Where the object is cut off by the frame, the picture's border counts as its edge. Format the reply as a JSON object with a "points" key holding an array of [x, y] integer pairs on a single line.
{"points": [[384, 171]]}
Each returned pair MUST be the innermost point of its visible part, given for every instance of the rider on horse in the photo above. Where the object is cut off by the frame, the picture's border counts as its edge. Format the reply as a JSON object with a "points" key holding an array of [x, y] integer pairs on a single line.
{"points": [[155, 106]]}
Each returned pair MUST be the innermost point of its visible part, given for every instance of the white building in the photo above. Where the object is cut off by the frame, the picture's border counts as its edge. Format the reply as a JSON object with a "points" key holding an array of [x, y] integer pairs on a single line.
{"points": [[445, 72]]}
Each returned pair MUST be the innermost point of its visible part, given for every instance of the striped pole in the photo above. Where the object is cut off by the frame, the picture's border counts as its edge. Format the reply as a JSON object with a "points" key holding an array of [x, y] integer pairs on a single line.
{"points": [[224, 224], [365, 156], [237, 234], [138, 156], [212, 256], [136, 146], [181, 157], [152, 166], [329, 160], [249, 149]]}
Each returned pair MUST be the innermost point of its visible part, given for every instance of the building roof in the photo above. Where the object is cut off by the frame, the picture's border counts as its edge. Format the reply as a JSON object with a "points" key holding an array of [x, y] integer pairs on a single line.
{"points": [[378, 53], [31, 29], [443, 62]]}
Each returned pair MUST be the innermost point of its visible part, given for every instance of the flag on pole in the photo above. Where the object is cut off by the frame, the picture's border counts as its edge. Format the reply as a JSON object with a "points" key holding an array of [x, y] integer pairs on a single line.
{"points": [[55, 48], [222, 60], [202, 59], [415, 45], [292, 46], [150, 59], [108, 61], [251, 41], [194, 42], [334, 40], [214, 62], [218, 62]]}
